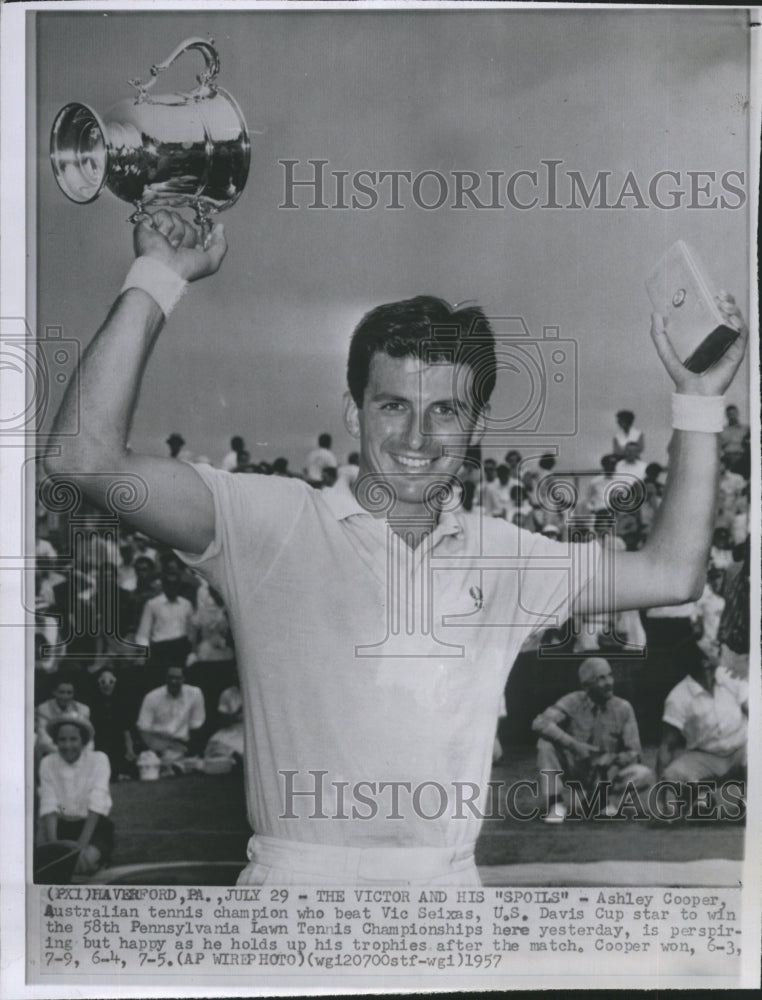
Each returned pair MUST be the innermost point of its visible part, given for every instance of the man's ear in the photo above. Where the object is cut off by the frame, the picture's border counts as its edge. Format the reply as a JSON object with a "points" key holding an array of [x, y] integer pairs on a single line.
{"points": [[351, 415]]}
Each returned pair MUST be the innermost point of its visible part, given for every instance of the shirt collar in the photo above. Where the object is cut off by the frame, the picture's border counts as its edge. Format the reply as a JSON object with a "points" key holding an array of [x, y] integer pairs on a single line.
{"points": [[695, 687], [341, 502]]}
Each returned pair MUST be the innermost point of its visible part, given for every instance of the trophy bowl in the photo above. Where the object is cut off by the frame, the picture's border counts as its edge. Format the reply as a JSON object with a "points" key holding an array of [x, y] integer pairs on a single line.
{"points": [[168, 150]]}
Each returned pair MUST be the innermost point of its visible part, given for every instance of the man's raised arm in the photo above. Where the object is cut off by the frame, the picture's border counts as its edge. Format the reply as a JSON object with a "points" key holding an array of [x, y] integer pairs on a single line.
{"points": [[179, 510], [671, 567]]}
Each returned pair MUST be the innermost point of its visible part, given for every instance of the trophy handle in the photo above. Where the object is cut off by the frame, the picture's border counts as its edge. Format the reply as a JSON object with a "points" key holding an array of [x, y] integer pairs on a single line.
{"points": [[206, 80]]}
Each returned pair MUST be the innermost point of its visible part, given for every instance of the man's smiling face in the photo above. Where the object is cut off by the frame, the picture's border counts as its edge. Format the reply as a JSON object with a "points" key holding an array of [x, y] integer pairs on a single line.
{"points": [[415, 425]]}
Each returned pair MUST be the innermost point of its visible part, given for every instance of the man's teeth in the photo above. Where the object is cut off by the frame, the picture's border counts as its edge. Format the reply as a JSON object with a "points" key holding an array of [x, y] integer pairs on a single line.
{"points": [[413, 463]]}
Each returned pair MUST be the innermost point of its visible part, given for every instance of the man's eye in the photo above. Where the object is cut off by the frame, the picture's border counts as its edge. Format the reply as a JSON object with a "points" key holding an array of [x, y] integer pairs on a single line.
{"points": [[391, 405], [443, 410]]}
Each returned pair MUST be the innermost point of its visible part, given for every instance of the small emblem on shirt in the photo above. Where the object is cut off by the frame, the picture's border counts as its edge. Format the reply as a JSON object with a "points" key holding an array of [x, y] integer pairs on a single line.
{"points": [[476, 594]]}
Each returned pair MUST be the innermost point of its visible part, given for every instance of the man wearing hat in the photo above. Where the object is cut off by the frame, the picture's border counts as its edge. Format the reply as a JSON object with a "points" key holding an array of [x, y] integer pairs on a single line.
{"points": [[74, 793], [589, 735]]}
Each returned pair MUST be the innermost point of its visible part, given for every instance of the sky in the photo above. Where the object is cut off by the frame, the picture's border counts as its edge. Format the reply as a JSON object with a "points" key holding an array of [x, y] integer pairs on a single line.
{"points": [[259, 349]]}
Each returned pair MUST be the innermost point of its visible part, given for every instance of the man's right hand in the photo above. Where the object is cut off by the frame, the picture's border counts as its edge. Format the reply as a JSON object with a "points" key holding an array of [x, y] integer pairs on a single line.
{"points": [[586, 750], [167, 237]]}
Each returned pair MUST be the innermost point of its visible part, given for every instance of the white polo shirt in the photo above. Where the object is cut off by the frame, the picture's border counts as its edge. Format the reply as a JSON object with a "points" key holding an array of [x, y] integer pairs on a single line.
{"points": [[710, 722], [369, 669], [172, 715]]}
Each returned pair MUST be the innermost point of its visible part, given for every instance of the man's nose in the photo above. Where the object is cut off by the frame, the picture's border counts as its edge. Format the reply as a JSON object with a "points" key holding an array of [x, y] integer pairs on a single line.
{"points": [[415, 432]]}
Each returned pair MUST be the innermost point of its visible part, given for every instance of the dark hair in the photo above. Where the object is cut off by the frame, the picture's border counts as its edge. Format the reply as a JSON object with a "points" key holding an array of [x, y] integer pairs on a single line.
{"points": [[236, 443], [547, 461], [653, 470], [625, 417], [324, 440], [428, 328]]}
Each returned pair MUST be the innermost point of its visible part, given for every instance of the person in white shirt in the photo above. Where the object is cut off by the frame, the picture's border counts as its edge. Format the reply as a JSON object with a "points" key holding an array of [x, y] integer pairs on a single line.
{"points": [[627, 434], [228, 741], [630, 463], [230, 461], [165, 626], [320, 458], [704, 728], [350, 469], [333, 684], [74, 793], [171, 716]]}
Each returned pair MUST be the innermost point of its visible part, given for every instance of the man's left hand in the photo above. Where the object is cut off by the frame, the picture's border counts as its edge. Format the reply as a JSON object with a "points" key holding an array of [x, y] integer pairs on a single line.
{"points": [[716, 379]]}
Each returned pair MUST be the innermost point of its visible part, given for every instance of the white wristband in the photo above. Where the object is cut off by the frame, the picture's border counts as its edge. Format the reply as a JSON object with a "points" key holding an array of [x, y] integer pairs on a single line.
{"points": [[698, 413], [156, 279]]}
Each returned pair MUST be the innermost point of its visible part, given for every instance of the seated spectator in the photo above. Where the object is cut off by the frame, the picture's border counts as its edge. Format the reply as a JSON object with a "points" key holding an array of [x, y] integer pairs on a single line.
{"points": [[733, 436], [109, 715], [318, 459], [228, 741], [61, 704], [171, 716], [704, 731], [74, 794], [589, 735], [627, 434], [630, 464]]}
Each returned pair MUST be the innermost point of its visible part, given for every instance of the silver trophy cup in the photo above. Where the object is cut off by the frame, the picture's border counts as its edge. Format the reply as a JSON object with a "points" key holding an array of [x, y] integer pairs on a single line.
{"points": [[171, 150]]}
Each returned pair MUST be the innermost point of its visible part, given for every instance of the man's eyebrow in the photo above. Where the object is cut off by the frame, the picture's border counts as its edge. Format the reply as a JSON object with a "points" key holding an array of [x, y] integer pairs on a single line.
{"points": [[452, 401], [382, 394]]}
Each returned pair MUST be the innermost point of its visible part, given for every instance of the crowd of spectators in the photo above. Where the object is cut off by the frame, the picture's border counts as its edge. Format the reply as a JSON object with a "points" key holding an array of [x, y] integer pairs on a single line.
{"points": [[124, 629]]}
